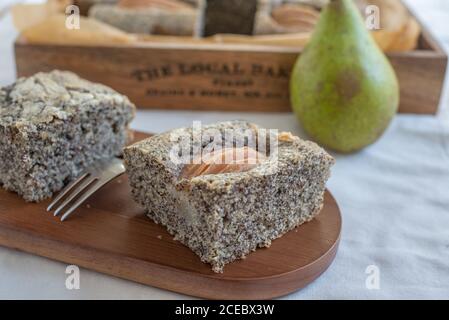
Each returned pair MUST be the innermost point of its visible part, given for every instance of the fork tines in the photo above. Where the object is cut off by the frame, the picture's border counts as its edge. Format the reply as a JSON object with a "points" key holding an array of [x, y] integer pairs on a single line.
{"points": [[76, 192]]}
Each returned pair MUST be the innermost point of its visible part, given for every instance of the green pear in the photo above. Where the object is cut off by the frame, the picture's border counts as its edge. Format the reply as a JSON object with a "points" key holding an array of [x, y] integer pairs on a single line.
{"points": [[343, 89]]}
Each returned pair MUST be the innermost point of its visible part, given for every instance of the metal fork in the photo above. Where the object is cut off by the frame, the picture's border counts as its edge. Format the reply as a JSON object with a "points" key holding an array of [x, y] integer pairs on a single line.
{"points": [[85, 185]]}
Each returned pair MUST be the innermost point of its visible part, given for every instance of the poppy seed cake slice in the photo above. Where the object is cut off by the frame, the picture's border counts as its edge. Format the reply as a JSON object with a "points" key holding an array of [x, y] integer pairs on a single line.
{"points": [[224, 216], [54, 125]]}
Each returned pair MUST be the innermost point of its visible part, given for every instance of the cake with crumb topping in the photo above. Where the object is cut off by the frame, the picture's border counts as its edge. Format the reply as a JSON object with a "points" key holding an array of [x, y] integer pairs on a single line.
{"points": [[54, 125], [221, 212]]}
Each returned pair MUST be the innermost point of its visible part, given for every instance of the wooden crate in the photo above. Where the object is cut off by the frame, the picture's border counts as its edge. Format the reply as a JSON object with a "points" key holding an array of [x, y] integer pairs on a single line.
{"points": [[219, 76]]}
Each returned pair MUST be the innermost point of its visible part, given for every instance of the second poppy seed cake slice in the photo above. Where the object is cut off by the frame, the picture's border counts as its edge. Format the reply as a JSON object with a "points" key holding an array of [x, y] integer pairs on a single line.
{"points": [[222, 215], [55, 125]]}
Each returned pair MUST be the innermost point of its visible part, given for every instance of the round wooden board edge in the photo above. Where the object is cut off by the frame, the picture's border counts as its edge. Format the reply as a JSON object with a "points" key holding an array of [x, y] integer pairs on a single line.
{"points": [[222, 288], [272, 286]]}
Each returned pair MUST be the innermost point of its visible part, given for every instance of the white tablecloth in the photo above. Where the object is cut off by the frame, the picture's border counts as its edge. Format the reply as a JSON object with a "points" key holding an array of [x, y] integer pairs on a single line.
{"points": [[394, 197]]}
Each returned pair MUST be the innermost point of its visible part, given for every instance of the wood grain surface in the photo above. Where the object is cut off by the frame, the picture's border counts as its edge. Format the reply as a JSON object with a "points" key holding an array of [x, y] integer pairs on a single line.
{"points": [[110, 234]]}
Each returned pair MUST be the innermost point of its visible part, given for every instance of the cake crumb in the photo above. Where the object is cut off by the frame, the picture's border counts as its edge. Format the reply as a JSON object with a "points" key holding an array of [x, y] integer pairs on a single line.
{"points": [[220, 216], [56, 118]]}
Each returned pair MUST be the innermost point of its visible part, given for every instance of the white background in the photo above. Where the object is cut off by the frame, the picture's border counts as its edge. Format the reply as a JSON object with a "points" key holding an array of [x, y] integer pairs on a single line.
{"points": [[394, 197]]}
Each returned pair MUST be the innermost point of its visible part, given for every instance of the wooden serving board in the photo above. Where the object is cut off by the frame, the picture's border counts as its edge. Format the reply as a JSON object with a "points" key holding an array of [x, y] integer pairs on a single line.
{"points": [[110, 234]]}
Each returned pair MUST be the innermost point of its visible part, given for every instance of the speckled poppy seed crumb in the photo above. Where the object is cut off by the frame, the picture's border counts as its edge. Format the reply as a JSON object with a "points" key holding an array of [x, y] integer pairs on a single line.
{"points": [[223, 217], [53, 126]]}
